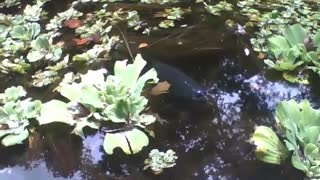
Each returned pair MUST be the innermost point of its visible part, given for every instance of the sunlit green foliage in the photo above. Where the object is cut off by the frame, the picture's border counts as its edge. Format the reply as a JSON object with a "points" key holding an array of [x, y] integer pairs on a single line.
{"points": [[116, 99], [299, 125], [57, 21], [10, 3], [293, 49], [269, 148], [272, 16], [15, 115], [217, 8], [21, 34], [158, 161], [171, 15]]}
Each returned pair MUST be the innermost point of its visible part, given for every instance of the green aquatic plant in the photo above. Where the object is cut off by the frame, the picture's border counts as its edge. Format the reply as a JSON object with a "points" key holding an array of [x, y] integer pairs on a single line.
{"points": [[15, 115], [158, 161], [22, 43], [158, 1], [299, 127], [171, 15], [116, 100], [10, 3], [218, 8], [272, 16], [43, 49], [293, 49], [33, 13], [56, 22], [146, 1]]}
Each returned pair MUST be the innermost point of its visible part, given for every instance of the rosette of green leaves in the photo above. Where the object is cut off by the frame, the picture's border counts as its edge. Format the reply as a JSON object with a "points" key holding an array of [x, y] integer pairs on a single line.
{"points": [[15, 115], [218, 8], [43, 49], [116, 99], [21, 34], [158, 161], [300, 124], [292, 50]]}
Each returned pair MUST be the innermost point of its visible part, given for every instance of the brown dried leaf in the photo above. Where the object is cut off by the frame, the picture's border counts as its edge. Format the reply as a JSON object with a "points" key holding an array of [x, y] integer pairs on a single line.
{"points": [[261, 55], [160, 88], [73, 23], [83, 41]]}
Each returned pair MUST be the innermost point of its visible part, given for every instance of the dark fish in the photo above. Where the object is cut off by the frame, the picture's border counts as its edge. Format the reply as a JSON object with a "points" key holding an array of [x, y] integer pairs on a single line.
{"points": [[182, 86]]}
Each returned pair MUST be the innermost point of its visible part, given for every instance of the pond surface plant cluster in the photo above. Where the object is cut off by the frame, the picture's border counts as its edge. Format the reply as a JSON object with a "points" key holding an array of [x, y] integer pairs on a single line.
{"points": [[68, 53]]}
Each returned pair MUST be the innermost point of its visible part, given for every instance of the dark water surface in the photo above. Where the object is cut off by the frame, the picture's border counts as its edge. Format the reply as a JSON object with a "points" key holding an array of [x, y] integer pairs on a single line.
{"points": [[211, 145]]}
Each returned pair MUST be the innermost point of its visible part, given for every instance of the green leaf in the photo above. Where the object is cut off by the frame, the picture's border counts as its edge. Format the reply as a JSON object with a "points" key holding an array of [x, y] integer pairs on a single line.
{"points": [[84, 94], [129, 73], [13, 93], [55, 111], [131, 142], [316, 40], [297, 163], [14, 139], [34, 56], [296, 78], [301, 124], [269, 148], [283, 65], [278, 45], [295, 34], [41, 43], [83, 122], [26, 32]]}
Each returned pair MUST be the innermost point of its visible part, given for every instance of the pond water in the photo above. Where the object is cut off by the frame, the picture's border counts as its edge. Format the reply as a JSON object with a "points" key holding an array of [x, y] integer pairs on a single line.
{"points": [[211, 144]]}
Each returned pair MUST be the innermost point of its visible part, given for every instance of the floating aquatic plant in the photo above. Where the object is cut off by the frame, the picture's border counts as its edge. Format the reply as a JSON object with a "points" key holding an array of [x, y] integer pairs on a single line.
{"points": [[43, 49], [116, 100], [218, 8], [293, 49], [158, 161], [10, 3], [299, 125], [171, 15], [21, 34], [272, 16], [15, 115], [158, 1], [57, 21]]}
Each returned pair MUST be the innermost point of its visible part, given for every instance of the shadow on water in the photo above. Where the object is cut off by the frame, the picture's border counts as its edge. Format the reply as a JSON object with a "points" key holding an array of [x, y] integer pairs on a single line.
{"points": [[211, 145]]}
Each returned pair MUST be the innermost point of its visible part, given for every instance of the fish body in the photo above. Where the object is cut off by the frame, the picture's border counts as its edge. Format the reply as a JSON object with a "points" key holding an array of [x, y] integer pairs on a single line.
{"points": [[183, 87]]}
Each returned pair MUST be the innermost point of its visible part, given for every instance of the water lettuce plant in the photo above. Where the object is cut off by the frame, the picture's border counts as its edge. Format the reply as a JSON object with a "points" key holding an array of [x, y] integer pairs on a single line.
{"points": [[112, 101], [10, 3], [218, 8], [293, 49], [272, 16], [299, 127], [158, 161], [15, 115], [22, 42], [171, 15]]}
